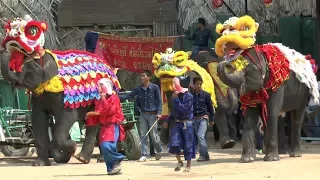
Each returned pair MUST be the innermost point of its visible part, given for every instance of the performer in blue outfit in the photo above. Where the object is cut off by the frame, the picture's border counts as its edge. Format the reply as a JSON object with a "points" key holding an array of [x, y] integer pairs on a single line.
{"points": [[182, 135]]}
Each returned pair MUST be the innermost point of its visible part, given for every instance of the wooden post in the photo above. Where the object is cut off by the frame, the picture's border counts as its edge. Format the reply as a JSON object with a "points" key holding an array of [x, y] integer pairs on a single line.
{"points": [[318, 31], [246, 6], [228, 7]]}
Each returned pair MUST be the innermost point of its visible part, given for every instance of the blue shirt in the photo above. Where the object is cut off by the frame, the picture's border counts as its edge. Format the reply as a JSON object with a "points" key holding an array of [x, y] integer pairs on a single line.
{"points": [[182, 107], [202, 105], [147, 99], [91, 39], [201, 38]]}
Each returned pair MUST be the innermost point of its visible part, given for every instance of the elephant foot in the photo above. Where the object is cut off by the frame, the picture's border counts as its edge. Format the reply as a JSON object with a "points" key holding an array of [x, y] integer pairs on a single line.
{"points": [[271, 156], [82, 159], [40, 162], [248, 157], [228, 144], [100, 159], [295, 154]]}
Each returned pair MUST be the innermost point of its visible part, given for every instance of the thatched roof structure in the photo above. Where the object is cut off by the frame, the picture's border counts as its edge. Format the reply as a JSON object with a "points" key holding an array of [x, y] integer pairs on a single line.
{"points": [[43, 10], [191, 10]]}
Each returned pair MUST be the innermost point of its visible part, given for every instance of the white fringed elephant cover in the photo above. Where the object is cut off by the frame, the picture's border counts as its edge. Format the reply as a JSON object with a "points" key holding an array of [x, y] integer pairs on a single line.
{"points": [[303, 69]]}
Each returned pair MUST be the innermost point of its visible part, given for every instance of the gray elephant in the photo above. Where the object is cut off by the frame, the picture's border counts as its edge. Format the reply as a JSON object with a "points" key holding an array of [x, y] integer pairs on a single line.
{"points": [[282, 100], [227, 100], [272, 79], [292, 96], [63, 84]]}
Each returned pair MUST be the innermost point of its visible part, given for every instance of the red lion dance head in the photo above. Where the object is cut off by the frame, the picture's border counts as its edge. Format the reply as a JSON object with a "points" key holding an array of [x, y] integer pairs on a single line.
{"points": [[24, 36]]}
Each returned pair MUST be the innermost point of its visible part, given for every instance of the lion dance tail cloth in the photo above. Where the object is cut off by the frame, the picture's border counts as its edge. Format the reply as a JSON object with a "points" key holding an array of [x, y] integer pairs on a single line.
{"points": [[78, 74]]}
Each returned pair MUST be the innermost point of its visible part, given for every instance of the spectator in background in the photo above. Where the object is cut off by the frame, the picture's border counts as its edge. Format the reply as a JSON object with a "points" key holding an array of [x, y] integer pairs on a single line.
{"points": [[201, 39], [91, 38]]}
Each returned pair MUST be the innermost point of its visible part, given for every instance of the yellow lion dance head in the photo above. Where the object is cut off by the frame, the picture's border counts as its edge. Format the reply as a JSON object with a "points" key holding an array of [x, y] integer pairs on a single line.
{"points": [[169, 65], [237, 34]]}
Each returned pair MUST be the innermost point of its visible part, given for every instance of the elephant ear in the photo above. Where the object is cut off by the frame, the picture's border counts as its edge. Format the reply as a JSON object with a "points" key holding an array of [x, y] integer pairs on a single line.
{"points": [[50, 67], [205, 57], [191, 75]]}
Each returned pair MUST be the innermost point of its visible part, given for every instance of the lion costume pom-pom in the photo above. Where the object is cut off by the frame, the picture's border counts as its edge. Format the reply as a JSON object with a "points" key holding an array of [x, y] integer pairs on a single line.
{"points": [[219, 28]]}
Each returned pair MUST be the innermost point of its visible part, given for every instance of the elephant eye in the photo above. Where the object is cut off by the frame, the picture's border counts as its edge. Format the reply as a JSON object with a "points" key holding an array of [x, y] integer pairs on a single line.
{"points": [[32, 31]]}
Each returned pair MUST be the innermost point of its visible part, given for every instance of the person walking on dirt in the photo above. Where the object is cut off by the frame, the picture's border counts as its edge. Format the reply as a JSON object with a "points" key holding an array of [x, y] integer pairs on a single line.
{"points": [[201, 39], [203, 114], [182, 132], [148, 101], [108, 113]]}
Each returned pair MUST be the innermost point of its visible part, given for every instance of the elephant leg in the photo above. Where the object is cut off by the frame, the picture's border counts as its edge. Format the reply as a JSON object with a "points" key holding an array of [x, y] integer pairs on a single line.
{"points": [[222, 125], [152, 152], [250, 121], [282, 138], [238, 122], [232, 126], [288, 127], [100, 158], [88, 145], [274, 104], [216, 133], [63, 123], [40, 126], [297, 117]]}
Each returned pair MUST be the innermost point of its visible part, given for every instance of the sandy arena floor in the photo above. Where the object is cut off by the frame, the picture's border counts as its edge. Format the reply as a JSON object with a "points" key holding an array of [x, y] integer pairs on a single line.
{"points": [[223, 166]]}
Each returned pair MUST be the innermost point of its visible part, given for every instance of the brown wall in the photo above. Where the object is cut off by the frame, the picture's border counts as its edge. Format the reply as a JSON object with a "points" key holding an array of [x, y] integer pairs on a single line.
{"points": [[112, 12]]}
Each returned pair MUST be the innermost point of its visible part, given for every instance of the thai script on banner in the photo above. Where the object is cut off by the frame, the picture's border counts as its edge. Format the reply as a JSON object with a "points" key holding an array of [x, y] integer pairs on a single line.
{"points": [[131, 53]]}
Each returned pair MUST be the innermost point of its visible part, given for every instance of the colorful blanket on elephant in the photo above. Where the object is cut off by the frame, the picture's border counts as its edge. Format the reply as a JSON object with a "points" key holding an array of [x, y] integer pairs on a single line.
{"points": [[279, 72], [79, 72]]}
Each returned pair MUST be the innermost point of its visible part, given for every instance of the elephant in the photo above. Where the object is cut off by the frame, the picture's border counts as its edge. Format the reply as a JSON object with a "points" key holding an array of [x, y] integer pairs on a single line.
{"points": [[45, 74], [226, 102], [272, 79]]}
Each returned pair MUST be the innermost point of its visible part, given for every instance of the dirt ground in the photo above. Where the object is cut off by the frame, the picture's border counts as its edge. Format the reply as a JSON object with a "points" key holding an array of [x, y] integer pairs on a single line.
{"points": [[224, 165]]}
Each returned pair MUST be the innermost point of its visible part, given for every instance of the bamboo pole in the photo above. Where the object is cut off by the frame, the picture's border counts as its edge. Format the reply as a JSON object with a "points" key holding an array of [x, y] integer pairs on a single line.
{"points": [[318, 30]]}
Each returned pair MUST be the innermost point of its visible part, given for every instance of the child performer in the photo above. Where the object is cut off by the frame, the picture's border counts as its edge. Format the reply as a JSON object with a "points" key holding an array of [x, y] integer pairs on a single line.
{"points": [[108, 114], [182, 131]]}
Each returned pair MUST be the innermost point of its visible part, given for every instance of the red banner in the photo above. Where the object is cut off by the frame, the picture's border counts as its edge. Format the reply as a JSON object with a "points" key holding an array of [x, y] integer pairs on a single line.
{"points": [[131, 53]]}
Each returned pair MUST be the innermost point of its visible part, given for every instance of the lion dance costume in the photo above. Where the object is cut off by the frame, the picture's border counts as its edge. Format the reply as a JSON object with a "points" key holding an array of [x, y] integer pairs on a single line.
{"points": [[78, 71]]}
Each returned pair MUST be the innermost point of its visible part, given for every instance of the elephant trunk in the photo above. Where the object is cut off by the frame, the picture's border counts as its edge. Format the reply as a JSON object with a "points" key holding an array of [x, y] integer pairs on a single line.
{"points": [[229, 103], [223, 103], [6, 73], [234, 79], [233, 99]]}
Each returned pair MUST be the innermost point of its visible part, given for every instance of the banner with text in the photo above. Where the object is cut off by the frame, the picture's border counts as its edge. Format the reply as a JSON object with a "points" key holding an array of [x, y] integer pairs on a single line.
{"points": [[131, 53]]}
